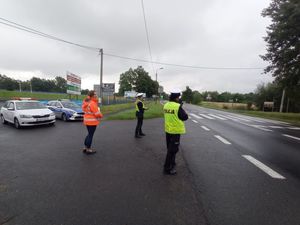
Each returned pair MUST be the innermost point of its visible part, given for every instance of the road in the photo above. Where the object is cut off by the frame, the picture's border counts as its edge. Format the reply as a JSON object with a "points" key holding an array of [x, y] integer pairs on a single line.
{"points": [[247, 170], [45, 179]]}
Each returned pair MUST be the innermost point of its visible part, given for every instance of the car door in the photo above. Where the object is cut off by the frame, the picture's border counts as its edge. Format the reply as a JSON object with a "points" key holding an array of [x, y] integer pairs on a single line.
{"points": [[10, 112], [59, 109]]}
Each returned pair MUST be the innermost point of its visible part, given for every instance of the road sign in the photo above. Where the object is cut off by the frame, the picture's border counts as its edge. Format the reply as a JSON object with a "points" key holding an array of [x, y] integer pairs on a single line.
{"points": [[108, 89], [73, 84]]}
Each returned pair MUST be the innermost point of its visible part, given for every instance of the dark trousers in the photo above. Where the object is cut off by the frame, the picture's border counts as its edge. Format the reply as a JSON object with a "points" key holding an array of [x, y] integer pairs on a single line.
{"points": [[173, 142], [138, 129], [89, 138]]}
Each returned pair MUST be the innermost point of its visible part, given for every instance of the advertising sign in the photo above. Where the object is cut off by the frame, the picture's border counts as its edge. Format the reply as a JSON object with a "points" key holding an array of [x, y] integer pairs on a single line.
{"points": [[73, 84]]}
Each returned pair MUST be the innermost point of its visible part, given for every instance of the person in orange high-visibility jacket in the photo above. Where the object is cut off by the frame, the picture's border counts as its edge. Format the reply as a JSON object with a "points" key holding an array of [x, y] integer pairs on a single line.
{"points": [[91, 119]]}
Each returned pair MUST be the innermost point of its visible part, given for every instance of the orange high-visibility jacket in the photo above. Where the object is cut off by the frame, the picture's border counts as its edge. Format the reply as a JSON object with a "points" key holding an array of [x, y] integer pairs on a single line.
{"points": [[91, 111]]}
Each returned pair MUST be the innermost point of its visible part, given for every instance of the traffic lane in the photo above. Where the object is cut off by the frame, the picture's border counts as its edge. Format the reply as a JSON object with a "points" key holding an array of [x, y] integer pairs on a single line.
{"points": [[271, 146], [48, 180], [234, 191]]}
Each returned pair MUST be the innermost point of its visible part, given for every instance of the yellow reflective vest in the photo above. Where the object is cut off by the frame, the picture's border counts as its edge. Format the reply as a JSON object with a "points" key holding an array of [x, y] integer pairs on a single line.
{"points": [[173, 125], [136, 105]]}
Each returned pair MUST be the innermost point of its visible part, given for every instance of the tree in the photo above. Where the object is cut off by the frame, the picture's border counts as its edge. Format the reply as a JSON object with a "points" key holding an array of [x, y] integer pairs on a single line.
{"points": [[127, 81], [197, 98], [61, 84], [144, 83], [283, 42], [187, 95]]}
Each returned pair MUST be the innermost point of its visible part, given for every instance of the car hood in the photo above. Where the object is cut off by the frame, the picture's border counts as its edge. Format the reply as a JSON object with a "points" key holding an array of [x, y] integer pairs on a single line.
{"points": [[34, 112]]}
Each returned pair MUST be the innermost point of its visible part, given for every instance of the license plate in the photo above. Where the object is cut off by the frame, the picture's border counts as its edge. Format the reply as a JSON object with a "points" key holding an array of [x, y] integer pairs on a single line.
{"points": [[40, 119]]}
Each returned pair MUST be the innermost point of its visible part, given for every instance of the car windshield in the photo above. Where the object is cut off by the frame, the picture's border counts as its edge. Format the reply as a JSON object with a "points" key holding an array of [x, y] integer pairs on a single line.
{"points": [[29, 105], [70, 105]]}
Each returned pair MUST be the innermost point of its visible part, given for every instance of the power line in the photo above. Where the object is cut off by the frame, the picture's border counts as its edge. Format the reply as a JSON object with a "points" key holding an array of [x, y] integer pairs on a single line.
{"points": [[42, 34], [185, 66], [147, 34], [34, 31]]}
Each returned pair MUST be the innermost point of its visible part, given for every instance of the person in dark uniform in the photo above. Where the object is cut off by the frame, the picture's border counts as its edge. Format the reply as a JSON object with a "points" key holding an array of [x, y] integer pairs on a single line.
{"points": [[140, 108], [174, 116]]}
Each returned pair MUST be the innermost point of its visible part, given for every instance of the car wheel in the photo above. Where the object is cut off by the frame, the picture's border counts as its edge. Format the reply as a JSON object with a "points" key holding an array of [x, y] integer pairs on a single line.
{"points": [[64, 117], [3, 120], [16, 123]]}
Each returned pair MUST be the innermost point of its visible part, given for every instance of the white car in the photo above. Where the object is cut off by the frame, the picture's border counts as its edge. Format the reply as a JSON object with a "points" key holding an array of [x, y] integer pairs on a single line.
{"points": [[26, 113]]}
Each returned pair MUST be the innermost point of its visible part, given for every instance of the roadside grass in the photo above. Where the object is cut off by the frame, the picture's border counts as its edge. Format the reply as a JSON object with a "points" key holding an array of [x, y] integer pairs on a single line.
{"points": [[4, 95], [155, 111], [108, 109], [293, 118]]}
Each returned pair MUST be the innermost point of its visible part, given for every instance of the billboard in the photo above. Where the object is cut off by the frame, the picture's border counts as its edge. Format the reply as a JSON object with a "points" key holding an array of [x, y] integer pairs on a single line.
{"points": [[108, 89], [73, 84]]}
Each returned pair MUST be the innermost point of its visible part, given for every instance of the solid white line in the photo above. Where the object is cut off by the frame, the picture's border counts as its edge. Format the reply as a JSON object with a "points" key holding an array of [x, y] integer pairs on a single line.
{"points": [[208, 117], [263, 167], [195, 121], [218, 117], [223, 140], [194, 115], [290, 136], [205, 128]]}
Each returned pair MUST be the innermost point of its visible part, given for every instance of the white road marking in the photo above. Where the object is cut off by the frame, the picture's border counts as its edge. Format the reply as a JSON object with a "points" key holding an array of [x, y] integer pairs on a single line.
{"points": [[195, 121], [206, 116], [194, 115], [263, 167], [238, 118], [290, 136], [223, 140], [228, 117], [294, 128], [205, 128], [275, 127], [218, 117], [260, 127]]}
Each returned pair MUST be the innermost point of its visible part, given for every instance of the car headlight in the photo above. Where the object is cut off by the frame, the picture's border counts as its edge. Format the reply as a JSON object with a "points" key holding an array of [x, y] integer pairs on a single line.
{"points": [[25, 116]]}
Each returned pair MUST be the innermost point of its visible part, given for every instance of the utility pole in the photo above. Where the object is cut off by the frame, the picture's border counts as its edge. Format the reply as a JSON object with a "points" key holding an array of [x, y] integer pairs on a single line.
{"points": [[101, 74], [30, 87], [282, 100]]}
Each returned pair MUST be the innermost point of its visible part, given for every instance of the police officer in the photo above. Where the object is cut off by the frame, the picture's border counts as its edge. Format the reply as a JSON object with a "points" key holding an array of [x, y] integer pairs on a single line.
{"points": [[174, 116], [140, 108]]}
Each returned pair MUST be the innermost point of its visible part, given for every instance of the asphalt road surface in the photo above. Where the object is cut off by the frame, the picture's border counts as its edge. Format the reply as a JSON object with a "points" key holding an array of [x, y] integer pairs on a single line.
{"points": [[232, 170], [247, 169], [45, 179]]}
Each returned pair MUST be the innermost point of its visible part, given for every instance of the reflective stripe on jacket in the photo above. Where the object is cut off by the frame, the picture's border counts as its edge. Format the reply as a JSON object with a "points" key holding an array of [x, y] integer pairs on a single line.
{"points": [[173, 125], [92, 112]]}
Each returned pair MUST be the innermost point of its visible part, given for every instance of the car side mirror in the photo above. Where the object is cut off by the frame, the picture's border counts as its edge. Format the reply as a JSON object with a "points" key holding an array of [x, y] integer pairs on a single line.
{"points": [[11, 109], [59, 107]]}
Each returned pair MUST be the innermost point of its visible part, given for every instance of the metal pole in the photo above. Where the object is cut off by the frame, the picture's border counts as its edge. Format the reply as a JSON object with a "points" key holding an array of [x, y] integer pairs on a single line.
{"points": [[101, 73], [20, 86], [282, 100], [30, 87]]}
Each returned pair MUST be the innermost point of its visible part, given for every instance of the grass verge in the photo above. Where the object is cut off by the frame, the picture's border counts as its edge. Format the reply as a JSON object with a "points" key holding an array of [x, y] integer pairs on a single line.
{"points": [[155, 111], [293, 118], [108, 109]]}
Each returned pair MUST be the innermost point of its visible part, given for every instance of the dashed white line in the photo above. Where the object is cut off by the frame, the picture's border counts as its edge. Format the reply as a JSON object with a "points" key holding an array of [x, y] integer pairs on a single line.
{"points": [[263, 167], [276, 127], [294, 128], [238, 118], [290, 136], [206, 116], [223, 140], [218, 117], [205, 128], [195, 121], [194, 115]]}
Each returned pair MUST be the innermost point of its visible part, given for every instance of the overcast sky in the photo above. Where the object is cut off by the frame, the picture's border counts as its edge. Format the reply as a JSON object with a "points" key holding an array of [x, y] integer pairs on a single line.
{"points": [[209, 33]]}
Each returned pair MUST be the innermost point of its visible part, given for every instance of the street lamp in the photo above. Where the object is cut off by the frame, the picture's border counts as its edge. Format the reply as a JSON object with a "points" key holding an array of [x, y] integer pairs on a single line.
{"points": [[156, 73]]}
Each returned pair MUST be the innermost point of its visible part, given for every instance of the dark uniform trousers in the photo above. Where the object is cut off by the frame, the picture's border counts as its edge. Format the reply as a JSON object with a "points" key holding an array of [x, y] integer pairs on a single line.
{"points": [[138, 129], [173, 141]]}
